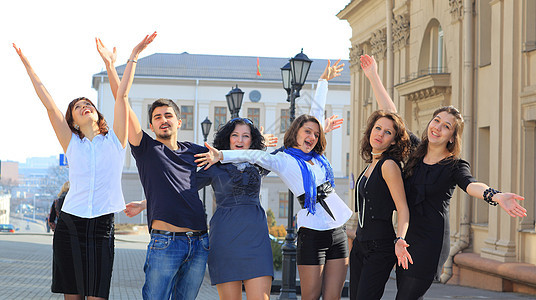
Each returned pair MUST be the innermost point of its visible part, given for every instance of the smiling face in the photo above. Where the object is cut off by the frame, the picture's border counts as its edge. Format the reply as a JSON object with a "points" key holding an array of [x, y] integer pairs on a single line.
{"points": [[383, 135], [83, 113], [164, 122], [307, 136], [441, 129], [240, 138]]}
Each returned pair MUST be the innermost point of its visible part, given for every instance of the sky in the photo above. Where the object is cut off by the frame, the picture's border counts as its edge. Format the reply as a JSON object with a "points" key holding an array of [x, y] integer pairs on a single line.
{"points": [[57, 37]]}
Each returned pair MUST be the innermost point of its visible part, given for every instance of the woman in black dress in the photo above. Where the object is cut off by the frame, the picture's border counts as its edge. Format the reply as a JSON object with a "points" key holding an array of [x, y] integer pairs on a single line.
{"points": [[430, 177], [379, 190]]}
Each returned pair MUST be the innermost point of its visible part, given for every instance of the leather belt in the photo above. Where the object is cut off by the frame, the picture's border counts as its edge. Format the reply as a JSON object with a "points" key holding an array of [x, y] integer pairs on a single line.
{"points": [[186, 233], [322, 192]]}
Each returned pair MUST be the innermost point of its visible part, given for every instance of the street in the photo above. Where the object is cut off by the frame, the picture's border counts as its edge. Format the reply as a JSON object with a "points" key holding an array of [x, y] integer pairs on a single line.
{"points": [[26, 259]]}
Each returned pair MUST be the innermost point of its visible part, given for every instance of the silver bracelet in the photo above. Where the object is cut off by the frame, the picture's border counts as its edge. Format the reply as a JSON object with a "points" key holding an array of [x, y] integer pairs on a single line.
{"points": [[131, 60]]}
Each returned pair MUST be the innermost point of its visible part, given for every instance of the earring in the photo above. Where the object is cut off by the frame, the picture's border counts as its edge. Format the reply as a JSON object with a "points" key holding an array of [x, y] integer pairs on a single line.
{"points": [[76, 127]]}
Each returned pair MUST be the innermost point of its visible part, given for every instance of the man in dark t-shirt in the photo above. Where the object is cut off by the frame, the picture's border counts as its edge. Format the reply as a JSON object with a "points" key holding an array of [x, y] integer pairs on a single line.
{"points": [[178, 250]]}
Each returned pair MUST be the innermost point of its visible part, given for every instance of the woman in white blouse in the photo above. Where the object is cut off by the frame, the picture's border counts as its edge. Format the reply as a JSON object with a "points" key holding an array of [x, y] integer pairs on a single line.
{"points": [[322, 253], [83, 246]]}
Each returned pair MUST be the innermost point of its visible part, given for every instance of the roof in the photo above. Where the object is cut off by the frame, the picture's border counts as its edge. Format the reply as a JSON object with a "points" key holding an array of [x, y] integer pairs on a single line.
{"points": [[221, 67]]}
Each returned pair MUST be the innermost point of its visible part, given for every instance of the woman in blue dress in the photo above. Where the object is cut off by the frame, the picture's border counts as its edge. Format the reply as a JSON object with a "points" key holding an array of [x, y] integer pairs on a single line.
{"points": [[240, 250]]}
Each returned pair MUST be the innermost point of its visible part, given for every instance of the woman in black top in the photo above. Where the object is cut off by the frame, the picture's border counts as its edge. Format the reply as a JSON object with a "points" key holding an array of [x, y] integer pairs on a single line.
{"points": [[379, 190], [430, 176]]}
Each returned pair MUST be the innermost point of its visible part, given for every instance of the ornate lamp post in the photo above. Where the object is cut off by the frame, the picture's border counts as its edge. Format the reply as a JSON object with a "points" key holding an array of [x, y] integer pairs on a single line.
{"points": [[205, 128], [293, 75], [234, 101]]}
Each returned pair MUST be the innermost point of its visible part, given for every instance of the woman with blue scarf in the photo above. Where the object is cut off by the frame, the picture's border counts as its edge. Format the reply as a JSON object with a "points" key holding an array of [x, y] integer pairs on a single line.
{"points": [[322, 253]]}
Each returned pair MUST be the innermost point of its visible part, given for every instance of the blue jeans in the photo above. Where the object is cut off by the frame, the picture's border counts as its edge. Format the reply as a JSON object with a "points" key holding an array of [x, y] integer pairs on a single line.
{"points": [[175, 266]]}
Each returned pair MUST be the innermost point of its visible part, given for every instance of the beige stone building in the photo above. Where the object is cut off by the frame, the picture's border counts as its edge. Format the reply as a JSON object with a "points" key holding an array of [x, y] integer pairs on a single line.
{"points": [[478, 55]]}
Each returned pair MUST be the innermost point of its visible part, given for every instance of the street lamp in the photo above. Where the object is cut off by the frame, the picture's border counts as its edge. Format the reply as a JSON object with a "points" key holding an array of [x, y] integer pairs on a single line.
{"points": [[205, 128], [234, 101], [293, 75]]}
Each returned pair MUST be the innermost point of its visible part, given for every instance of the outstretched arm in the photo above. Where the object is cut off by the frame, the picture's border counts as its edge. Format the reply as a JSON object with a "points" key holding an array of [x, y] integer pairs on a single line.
{"points": [[368, 63], [507, 201], [332, 123], [122, 107], [57, 119]]}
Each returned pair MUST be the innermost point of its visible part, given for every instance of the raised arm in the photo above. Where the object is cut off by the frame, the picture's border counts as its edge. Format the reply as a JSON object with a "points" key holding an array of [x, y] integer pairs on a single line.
{"points": [[122, 107], [319, 101], [370, 68], [57, 119], [134, 127]]}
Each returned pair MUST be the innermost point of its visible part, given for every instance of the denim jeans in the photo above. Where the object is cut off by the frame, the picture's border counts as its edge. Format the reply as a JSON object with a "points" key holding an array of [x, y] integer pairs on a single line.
{"points": [[175, 266]]}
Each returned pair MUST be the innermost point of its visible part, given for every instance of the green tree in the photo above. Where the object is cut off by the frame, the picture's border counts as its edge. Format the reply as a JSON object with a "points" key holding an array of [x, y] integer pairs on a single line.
{"points": [[271, 218]]}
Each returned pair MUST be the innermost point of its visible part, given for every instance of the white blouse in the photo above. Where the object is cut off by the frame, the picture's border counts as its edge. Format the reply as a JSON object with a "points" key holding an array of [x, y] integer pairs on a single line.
{"points": [[288, 169], [95, 169]]}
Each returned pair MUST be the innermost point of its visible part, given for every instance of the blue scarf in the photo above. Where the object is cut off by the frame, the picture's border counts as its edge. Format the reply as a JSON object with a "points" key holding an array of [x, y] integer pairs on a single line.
{"points": [[308, 176]]}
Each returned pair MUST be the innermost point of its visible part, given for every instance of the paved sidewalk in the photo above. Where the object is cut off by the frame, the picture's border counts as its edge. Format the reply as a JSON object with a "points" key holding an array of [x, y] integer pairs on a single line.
{"points": [[26, 260]]}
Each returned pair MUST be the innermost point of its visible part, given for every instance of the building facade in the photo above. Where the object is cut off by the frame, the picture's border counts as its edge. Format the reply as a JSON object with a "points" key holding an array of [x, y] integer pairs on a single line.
{"points": [[478, 55], [199, 83]]}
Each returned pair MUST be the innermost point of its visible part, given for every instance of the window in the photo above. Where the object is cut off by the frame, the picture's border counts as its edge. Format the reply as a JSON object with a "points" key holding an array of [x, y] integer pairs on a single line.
{"points": [[284, 120], [254, 114], [148, 118], [220, 116], [432, 59], [283, 204], [484, 24], [187, 116]]}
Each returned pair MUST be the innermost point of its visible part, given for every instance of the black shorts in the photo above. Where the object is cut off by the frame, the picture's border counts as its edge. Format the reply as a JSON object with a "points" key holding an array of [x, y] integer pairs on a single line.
{"points": [[315, 246]]}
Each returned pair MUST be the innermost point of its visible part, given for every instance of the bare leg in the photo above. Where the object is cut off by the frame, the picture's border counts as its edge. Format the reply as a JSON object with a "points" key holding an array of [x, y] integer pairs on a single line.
{"points": [[311, 281], [334, 276], [72, 297], [230, 290], [258, 288], [95, 298]]}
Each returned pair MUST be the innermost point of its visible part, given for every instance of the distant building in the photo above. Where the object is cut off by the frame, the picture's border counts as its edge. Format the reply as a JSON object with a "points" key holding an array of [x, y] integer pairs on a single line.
{"points": [[199, 83]]}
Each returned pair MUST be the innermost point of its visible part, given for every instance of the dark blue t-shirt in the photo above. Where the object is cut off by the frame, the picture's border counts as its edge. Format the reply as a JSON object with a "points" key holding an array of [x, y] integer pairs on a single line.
{"points": [[169, 181]]}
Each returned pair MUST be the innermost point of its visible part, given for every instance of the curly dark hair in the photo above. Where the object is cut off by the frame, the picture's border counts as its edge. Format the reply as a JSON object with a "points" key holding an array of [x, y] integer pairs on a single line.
{"points": [[223, 135], [401, 147], [103, 126]]}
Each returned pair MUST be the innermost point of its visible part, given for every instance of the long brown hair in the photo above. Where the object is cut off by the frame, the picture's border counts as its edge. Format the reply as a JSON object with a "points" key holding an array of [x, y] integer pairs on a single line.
{"points": [[454, 148], [103, 126], [399, 150], [290, 136]]}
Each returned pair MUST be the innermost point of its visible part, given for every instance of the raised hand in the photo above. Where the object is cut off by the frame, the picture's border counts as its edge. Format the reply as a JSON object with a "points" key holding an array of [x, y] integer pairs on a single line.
{"points": [[332, 71], [209, 158], [402, 254], [368, 64], [270, 140], [332, 123], [134, 208], [508, 202], [144, 43], [107, 56]]}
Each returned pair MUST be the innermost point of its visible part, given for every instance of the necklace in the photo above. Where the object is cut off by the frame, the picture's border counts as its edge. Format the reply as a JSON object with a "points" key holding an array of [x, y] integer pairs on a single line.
{"points": [[361, 216], [374, 154]]}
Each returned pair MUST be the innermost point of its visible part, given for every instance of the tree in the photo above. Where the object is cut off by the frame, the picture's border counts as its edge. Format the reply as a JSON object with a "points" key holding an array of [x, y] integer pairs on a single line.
{"points": [[270, 217]]}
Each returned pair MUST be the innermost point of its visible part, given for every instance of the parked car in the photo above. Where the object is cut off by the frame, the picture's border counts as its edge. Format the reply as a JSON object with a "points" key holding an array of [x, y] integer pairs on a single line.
{"points": [[7, 228]]}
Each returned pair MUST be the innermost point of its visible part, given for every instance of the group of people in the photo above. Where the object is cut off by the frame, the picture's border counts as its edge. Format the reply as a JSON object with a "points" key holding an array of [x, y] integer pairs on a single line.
{"points": [[414, 176]]}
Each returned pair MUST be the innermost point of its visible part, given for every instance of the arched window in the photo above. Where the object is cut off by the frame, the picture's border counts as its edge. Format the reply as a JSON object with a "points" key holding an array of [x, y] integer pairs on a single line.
{"points": [[432, 55]]}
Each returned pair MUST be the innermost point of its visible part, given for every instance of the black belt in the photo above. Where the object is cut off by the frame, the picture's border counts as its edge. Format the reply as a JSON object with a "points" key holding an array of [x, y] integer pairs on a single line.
{"points": [[186, 233], [322, 192]]}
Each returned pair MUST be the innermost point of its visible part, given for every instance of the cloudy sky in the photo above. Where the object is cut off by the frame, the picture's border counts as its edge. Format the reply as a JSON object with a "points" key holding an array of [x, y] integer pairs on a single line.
{"points": [[58, 39]]}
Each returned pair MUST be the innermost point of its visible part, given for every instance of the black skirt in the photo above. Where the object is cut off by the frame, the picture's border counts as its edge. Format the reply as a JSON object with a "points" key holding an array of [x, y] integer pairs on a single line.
{"points": [[83, 255]]}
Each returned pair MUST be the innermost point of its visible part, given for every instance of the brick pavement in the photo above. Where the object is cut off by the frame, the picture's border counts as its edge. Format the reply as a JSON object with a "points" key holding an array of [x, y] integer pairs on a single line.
{"points": [[26, 259]]}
